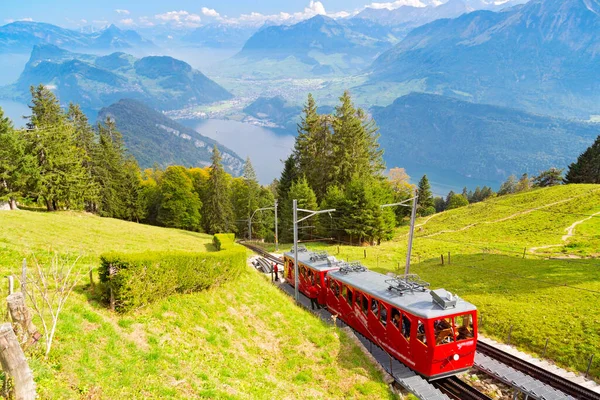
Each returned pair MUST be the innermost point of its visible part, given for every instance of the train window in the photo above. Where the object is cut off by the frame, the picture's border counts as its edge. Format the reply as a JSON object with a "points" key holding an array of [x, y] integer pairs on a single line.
{"points": [[349, 296], [357, 297], [336, 288], [396, 318], [303, 270], [375, 307], [421, 336], [444, 330], [365, 304], [344, 291], [317, 279], [464, 324], [406, 327], [383, 315]]}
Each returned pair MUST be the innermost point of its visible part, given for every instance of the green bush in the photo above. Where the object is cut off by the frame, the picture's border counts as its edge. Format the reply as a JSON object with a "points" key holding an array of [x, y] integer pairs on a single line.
{"points": [[138, 279], [224, 241]]}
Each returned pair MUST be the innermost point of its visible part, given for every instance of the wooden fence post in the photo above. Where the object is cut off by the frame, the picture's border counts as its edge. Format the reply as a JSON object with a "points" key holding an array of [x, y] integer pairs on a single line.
{"points": [[20, 314], [524, 251], [11, 284], [24, 278], [14, 364], [365, 251], [442, 259], [92, 284]]}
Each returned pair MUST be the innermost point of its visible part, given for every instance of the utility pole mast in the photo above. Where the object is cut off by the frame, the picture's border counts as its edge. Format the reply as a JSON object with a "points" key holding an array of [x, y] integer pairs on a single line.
{"points": [[276, 233], [413, 216]]}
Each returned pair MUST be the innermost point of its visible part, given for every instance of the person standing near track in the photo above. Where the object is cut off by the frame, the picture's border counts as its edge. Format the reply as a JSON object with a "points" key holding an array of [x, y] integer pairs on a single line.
{"points": [[276, 270]]}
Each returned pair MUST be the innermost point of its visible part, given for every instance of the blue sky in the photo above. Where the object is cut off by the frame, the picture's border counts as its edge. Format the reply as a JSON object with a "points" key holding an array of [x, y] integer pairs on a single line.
{"points": [[71, 13]]}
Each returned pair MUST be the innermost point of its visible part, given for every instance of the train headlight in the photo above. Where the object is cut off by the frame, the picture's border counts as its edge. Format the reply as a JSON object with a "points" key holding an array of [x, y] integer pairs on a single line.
{"points": [[455, 357]]}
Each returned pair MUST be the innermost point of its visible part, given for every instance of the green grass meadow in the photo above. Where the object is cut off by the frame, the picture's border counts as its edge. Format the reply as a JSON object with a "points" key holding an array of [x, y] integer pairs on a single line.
{"points": [[545, 293], [242, 340]]}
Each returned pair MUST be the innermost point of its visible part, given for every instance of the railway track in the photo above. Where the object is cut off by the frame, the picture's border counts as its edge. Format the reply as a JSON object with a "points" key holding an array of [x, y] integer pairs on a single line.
{"points": [[459, 390], [452, 386], [542, 375]]}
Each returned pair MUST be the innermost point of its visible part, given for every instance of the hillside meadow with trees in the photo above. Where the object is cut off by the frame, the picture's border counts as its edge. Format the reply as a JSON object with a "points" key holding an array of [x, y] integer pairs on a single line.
{"points": [[62, 162]]}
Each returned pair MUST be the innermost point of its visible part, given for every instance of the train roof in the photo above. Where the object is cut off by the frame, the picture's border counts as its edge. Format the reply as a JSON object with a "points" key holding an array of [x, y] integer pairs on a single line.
{"points": [[314, 259], [407, 294]]}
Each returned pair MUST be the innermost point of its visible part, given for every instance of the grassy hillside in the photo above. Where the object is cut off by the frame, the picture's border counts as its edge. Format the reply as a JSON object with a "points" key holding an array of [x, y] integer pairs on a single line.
{"points": [[244, 340], [551, 293]]}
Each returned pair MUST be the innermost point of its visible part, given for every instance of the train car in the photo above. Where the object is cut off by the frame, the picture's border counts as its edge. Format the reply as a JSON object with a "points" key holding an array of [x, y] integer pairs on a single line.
{"points": [[312, 266], [431, 331]]}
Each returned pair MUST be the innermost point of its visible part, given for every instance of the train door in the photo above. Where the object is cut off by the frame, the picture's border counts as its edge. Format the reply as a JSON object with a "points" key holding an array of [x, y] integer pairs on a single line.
{"points": [[361, 306], [303, 270], [346, 303], [320, 281], [398, 332], [289, 271], [333, 296], [421, 342], [376, 328]]}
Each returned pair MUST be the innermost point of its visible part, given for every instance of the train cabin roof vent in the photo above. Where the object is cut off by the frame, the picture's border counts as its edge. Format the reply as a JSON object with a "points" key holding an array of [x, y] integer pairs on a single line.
{"points": [[301, 249], [349, 267], [407, 283], [443, 298], [318, 256]]}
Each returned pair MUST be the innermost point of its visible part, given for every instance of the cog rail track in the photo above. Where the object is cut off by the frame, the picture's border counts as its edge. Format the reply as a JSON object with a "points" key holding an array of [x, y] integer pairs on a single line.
{"points": [[459, 390], [542, 375], [452, 387]]}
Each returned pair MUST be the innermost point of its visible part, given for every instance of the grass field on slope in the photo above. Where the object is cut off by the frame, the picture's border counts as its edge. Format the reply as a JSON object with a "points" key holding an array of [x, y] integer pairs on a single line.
{"points": [[244, 339], [487, 241]]}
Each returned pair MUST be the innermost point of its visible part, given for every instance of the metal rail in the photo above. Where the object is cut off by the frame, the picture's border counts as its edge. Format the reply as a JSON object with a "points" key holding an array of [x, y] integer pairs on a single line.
{"points": [[558, 382], [459, 390]]}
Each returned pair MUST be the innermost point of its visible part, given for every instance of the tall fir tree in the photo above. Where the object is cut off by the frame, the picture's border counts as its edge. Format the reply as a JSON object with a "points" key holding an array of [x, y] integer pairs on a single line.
{"points": [[288, 176], [550, 177], [252, 195], [356, 150], [62, 181], [425, 201], [218, 215], [587, 167], [17, 167]]}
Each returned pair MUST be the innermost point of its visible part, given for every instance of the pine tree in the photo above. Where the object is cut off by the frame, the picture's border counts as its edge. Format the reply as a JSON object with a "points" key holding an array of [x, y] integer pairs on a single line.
{"points": [[252, 195], [288, 176], [218, 215], [509, 186], [314, 148], [62, 181], [550, 177], [587, 167], [425, 200], [179, 205], [16, 166], [356, 151]]}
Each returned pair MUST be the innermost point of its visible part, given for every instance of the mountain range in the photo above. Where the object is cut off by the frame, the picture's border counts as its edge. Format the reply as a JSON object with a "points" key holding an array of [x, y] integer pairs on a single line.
{"points": [[321, 44], [219, 36], [542, 56], [22, 36], [477, 140], [97, 81], [151, 138]]}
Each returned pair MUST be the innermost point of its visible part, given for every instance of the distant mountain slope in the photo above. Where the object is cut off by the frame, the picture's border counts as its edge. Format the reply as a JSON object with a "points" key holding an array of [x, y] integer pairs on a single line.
{"points": [[154, 138], [21, 36], [475, 140], [219, 36], [94, 82], [543, 56], [274, 110], [322, 45]]}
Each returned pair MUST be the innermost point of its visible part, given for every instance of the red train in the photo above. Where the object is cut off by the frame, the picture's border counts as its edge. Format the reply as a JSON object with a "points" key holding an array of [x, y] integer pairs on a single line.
{"points": [[431, 331]]}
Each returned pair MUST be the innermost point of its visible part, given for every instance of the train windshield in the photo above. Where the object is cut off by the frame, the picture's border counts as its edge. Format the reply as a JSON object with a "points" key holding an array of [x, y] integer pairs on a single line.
{"points": [[449, 330]]}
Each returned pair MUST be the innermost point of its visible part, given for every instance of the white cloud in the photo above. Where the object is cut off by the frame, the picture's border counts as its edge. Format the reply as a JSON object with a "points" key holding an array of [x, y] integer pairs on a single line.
{"points": [[316, 7], [210, 12], [9, 20], [127, 21], [397, 4], [145, 21], [179, 19], [121, 11]]}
